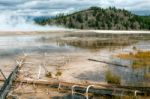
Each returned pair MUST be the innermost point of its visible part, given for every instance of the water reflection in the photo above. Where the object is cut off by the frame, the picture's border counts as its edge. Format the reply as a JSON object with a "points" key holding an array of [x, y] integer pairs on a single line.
{"points": [[103, 40], [94, 43], [69, 96], [92, 76], [11, 46], [15, 45], [130, 75]]}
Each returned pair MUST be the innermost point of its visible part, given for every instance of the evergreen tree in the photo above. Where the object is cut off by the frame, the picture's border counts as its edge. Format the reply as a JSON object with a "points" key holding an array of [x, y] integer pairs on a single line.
{"points": [[79, 18], [98, 18]]}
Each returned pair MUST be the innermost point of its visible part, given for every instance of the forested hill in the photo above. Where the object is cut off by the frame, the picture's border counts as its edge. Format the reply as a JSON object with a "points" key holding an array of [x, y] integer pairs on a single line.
{"points": [[99, 18]]}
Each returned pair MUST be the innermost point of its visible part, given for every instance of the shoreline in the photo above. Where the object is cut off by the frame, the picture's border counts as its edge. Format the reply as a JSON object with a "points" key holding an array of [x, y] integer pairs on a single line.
{"points": [[75, 31]]}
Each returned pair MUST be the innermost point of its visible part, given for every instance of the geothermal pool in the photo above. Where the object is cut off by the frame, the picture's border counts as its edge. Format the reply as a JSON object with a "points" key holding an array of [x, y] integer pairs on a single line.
{"points": [[76, 48]]}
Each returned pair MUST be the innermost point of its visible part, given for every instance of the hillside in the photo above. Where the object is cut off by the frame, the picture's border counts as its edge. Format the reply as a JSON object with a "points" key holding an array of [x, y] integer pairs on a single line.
{"points": [[99, 18]]}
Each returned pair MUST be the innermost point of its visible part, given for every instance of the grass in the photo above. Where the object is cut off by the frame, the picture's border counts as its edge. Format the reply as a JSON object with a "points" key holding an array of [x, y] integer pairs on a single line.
{"points": [[147, 76], [112, 78], [140, 59], [48, 74], [59, 73], [140, 64], [137, 55]]}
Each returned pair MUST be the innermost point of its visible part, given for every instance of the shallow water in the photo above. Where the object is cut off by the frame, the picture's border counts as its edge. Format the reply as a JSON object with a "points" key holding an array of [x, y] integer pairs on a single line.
{"points": [[11, 46], [69, 96], [129, 75]]}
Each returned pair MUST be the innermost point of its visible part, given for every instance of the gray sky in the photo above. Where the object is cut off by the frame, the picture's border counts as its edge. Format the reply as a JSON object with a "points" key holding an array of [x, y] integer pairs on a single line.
{"points": [[14, 13], [52, 7]]}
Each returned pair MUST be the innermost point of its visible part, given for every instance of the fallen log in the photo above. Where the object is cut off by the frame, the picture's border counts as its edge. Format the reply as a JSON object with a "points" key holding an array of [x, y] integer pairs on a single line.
{"points": [[4, 90], [115, 64], [8, 83], [98, 89]]}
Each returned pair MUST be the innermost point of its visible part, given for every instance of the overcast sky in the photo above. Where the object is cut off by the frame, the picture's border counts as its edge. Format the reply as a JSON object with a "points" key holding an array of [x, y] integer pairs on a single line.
{"points": [[52, 7], [14, 13]]}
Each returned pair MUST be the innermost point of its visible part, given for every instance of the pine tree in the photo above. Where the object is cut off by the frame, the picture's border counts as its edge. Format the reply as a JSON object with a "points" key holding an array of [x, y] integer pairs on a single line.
{"points": [[79, 18]]}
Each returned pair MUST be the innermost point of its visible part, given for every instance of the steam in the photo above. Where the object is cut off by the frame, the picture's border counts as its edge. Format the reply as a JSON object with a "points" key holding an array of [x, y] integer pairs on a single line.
{"points": [[14, 14], [22, 23]]}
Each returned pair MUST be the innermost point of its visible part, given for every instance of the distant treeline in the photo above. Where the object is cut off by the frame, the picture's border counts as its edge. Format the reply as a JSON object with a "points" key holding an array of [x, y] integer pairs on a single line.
{"points": [[99, 18]]}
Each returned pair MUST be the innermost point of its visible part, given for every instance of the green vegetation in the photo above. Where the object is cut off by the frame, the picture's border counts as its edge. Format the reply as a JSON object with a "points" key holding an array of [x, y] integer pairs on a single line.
{"points": [[147, 76], [48, 74], [112, 78], [99, 18], [146, 20], [59, 73]]}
